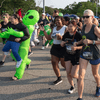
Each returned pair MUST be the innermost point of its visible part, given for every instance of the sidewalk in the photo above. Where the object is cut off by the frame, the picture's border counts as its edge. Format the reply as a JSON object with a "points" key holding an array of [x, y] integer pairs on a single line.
{"points": [[36, 83]]}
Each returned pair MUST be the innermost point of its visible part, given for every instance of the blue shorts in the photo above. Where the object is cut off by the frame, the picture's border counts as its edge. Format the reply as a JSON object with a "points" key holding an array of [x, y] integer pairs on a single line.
{"points": [[93, 62]]}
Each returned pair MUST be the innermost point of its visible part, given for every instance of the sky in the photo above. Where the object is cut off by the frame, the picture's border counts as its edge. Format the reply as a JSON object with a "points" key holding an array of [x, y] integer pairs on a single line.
{"points": [[57, 3]]}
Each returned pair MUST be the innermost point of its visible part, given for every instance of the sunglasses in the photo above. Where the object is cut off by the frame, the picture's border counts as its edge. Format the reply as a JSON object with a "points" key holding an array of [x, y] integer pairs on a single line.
{"points": [[86, 17]]}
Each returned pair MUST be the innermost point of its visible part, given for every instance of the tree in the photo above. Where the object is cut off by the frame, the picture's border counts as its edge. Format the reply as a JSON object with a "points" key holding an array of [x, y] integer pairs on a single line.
{"points": [[94, 1], [86, 5], [12, 6]]}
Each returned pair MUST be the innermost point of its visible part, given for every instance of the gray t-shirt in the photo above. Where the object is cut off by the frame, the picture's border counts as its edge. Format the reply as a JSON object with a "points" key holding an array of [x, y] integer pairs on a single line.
{"points": [[91, 36]]}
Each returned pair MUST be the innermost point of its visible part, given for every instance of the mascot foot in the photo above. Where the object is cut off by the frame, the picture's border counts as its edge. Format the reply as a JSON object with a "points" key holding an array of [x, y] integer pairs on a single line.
{"points": [[14, 78], [27, 66]]}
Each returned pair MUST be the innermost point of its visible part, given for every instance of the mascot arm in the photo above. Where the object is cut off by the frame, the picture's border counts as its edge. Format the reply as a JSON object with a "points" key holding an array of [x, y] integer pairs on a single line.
{"points": [[18, 34], [11, 31], [4, 35]]}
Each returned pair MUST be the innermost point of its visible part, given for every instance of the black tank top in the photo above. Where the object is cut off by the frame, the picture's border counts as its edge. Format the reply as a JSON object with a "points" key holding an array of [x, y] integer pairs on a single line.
{"points": [[91, 36]]}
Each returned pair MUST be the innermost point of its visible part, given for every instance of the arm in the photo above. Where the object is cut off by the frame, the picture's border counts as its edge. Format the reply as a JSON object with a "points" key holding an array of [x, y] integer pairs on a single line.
{"points": [[48, 37], [74, 48], [78, 43], [97, 33], [80, 27], [15, 33], [4, 35], [63, 43]]}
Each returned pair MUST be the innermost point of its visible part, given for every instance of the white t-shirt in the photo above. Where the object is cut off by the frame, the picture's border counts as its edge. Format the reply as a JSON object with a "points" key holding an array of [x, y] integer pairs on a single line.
{"points": [[61, 32]]}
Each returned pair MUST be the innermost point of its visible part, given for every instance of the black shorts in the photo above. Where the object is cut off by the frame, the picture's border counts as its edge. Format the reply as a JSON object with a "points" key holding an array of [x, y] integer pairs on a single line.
{"points": [[57, 51], [73, 58]]}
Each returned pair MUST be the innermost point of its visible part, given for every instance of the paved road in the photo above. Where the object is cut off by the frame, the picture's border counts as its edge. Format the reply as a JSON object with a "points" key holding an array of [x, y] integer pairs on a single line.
{"points": [[36, 83]]}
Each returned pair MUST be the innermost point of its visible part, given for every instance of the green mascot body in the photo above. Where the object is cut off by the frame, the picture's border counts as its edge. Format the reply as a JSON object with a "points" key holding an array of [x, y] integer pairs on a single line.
{"points": [[30, 19]]}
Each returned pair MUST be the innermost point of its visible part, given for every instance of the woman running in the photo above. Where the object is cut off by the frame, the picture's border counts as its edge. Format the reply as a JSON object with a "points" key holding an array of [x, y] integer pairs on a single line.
{"points": [[4, 25], [57, 52], [90, 52], [72, 53]]}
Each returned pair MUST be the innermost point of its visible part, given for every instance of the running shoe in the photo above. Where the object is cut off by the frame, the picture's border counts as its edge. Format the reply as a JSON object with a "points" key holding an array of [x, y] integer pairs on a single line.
{"points": [[38, 43], [97, 92], [30, 53], [18, 63], [58, 81], [71, 90], [1, 63], [43, 48]]}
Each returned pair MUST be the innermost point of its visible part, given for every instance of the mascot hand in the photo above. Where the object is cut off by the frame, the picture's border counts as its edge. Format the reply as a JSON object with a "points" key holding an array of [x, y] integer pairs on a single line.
{"points": [[15, 33], [10, 31], [4, 35]]}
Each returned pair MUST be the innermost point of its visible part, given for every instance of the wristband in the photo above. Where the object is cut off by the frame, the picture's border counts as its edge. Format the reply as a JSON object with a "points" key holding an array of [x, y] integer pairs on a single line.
{"points": [[93, 42]]}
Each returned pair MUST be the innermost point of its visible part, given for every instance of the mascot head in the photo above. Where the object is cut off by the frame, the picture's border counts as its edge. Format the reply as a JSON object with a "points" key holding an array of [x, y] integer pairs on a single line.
{"points": [[31, 17]]}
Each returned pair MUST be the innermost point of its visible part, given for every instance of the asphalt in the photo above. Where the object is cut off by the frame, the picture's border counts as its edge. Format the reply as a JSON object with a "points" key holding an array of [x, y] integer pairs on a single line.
{"points": [[36, 83]]}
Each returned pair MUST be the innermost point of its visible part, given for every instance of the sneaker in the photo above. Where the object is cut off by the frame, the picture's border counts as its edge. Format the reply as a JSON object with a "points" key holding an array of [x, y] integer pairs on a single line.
{"points": [[71, 90], [58, 81], [97, 92], [43, 48], [18, 63], [1, 63], [38, 43], [30, 53], [79, 99]]}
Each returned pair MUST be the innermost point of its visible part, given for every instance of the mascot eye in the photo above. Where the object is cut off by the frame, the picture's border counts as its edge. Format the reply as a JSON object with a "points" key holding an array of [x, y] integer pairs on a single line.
{"points": [[27, 13], [31, 17]]}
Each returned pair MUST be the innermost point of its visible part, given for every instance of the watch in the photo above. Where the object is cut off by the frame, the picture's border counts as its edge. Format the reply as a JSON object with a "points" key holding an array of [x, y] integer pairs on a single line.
{"points": [[93, 42]]}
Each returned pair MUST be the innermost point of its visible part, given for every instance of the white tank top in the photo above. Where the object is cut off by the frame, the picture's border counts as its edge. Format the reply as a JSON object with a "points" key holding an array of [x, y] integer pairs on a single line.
{"points": [[61, 32]]}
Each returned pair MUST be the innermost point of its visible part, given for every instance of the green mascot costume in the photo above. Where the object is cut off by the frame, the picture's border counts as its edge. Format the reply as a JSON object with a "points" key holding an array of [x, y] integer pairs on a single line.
{"points": [[30, 19]]}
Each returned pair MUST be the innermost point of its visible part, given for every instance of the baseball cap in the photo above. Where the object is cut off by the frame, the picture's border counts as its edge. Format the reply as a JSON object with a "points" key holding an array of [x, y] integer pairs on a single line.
{"points": [[43, 14], [77, 18]]}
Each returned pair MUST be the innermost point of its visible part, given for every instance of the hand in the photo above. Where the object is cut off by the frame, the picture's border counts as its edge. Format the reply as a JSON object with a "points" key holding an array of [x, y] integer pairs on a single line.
{"points": [[75, 43], [62, 43], [74, 48], [10, 30], [41, 22], [17, 39], [87, 41], [42, 28], [59, 37]]}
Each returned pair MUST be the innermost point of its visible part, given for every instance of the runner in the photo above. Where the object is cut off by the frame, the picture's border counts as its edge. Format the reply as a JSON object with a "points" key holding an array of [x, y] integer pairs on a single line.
{"points": [[13, 42], [79, 24], [4, 25], [57, 52], [42, 22], [72, 55], [90, 52]]}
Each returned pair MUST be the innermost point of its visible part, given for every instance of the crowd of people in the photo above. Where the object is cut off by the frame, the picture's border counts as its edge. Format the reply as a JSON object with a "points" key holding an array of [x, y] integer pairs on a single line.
{"points": [[75, 43]]}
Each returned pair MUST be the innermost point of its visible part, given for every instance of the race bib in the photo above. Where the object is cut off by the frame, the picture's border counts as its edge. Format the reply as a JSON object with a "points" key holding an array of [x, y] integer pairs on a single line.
{"points": [[69, 50], [87, 54]]}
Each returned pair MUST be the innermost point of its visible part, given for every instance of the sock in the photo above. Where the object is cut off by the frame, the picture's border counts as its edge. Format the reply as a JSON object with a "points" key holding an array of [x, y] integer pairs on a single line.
{"points": [[59, 78]]}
